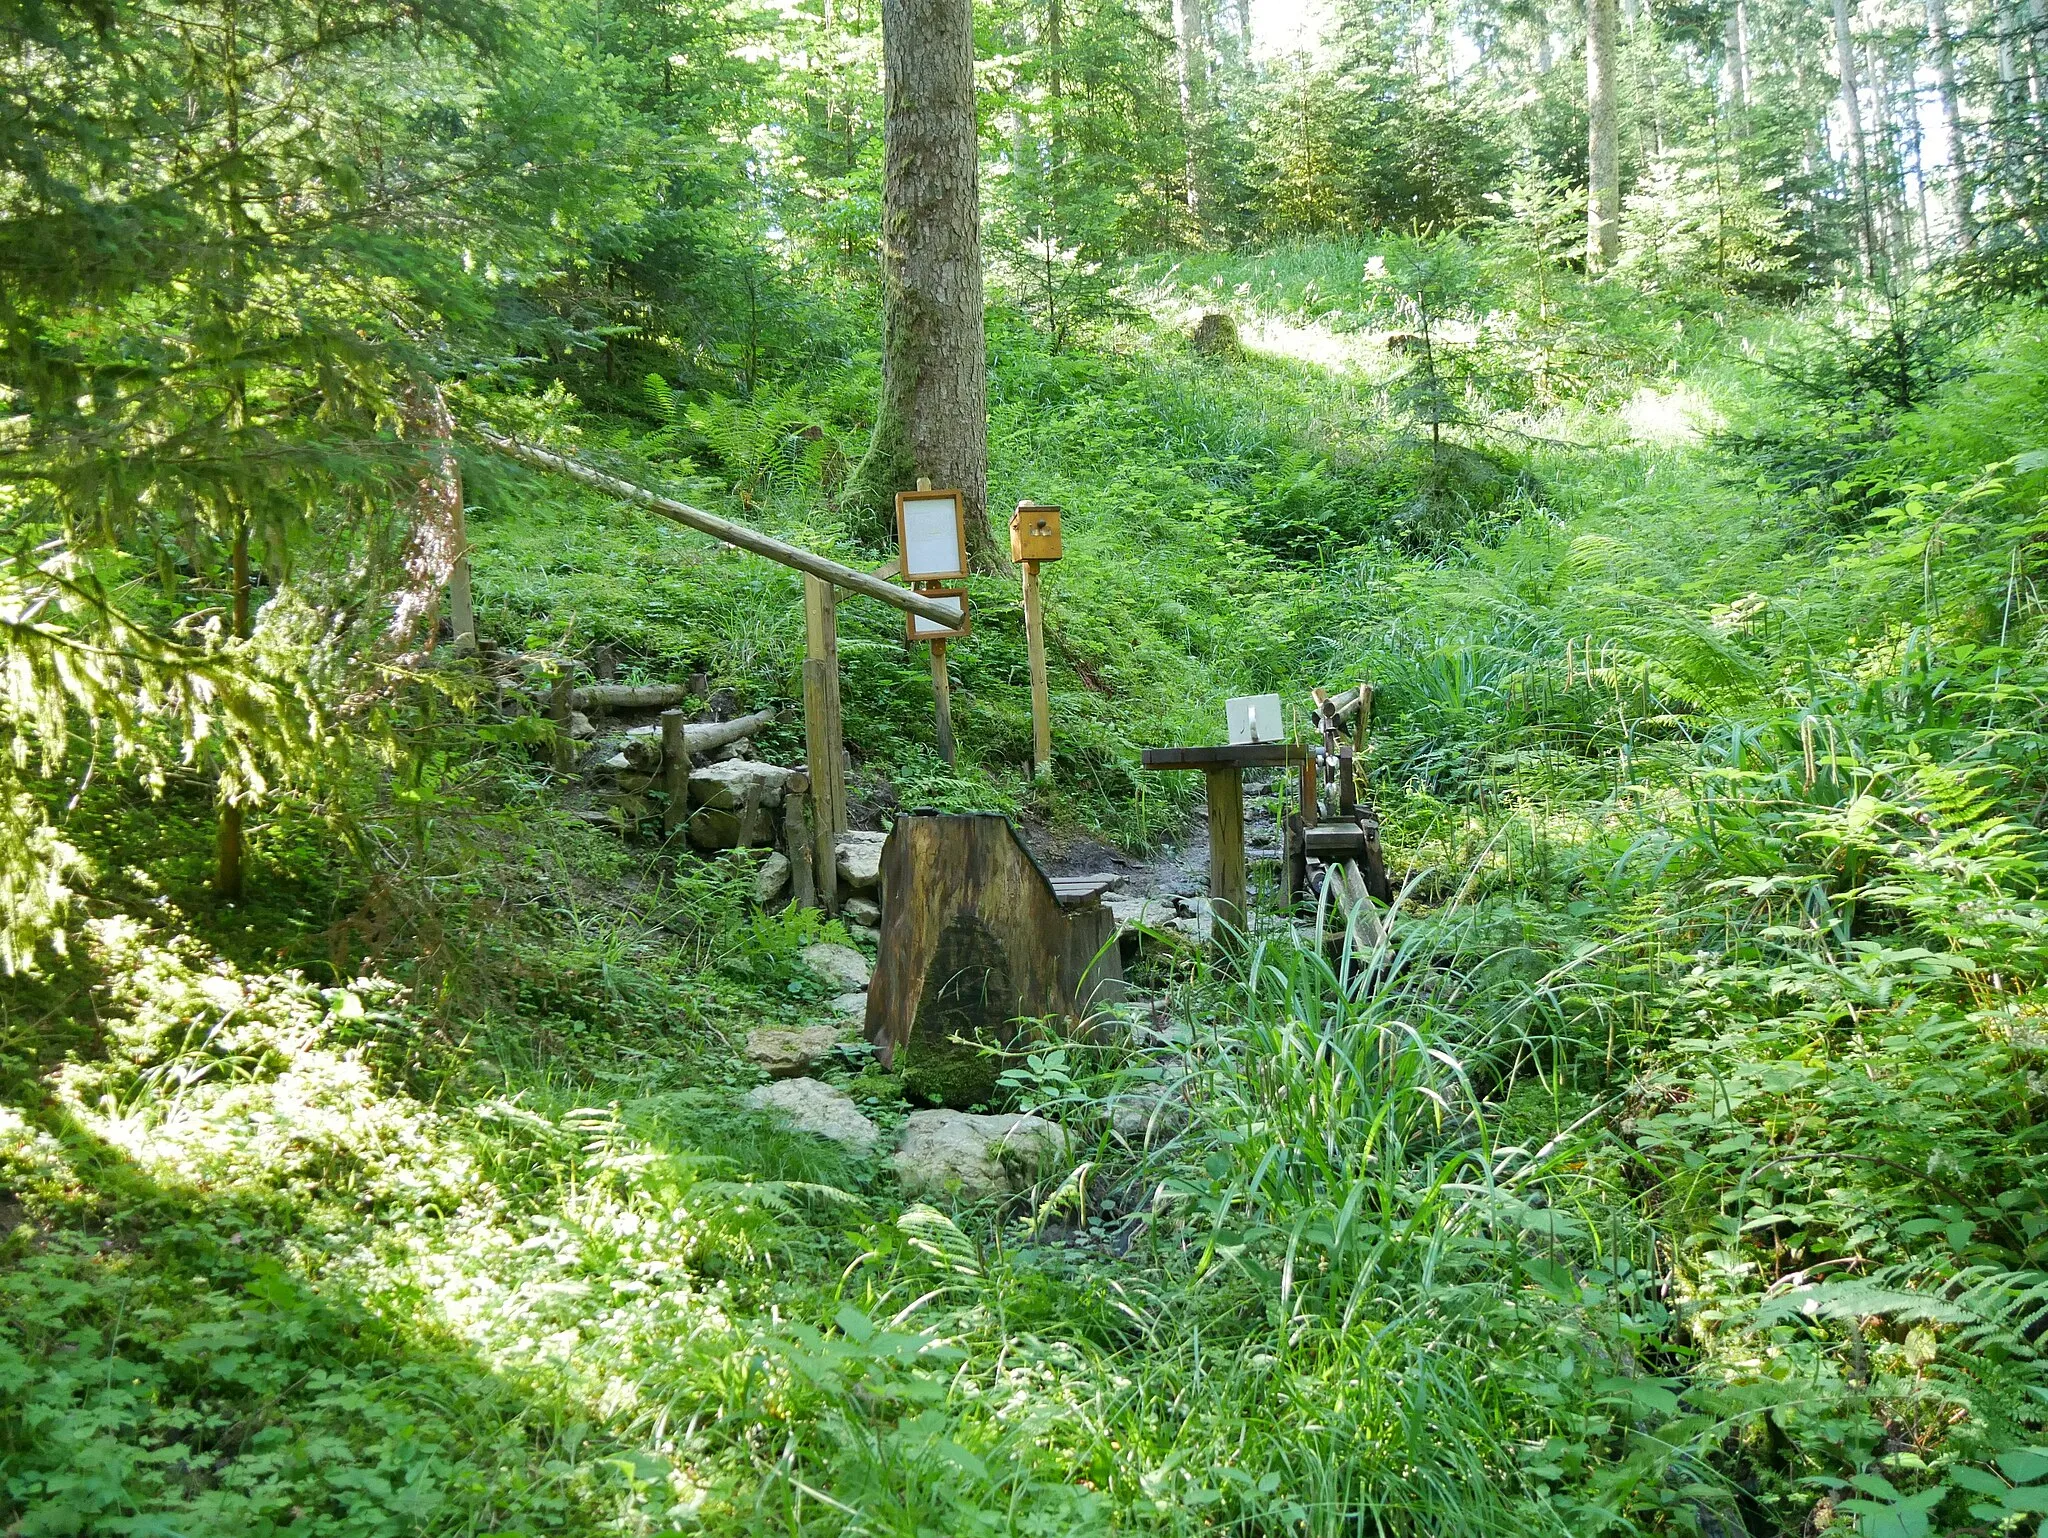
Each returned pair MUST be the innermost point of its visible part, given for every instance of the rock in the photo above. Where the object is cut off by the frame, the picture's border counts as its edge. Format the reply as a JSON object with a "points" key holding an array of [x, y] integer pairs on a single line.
{"points": [[864, 911], [1146, 1119], [809, 1106], [954, 1154], [772, 879], [854, 1006], [865, 935], [784, 1051], [714, 829], [860, 860], [738, 782], [579, 725], [843, 967], [1140, 912]]}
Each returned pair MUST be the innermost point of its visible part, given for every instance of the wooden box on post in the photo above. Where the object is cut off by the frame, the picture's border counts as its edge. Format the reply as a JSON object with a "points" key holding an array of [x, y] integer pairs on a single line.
{"points": [[1035, 532]]}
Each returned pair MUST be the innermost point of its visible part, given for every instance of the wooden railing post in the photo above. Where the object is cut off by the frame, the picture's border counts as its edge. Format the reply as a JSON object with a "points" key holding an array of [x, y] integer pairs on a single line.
{"points": [[823, 735], [1041, 694]]}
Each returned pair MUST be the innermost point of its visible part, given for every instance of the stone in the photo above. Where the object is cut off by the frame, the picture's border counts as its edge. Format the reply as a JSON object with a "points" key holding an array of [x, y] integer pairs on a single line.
{"points": [[958, 1155], [853, 1006], [784, 1051], [579, 726], [735, 784], [863, 911], [860, 860], [1147, 1119], [711, 828], [840, 965], [865, 935], [809, 1106], [772, 879]]}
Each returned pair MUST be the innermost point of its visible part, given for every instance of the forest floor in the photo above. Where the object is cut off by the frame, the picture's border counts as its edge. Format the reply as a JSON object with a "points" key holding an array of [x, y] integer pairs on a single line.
{"points": [[1671, 1167]]}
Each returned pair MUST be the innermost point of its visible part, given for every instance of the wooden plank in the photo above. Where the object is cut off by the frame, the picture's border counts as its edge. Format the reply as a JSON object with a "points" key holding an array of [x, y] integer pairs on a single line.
{"points": [[1226, 850], [738, 535], [942, 702], [1079, 891], [823, 748], [1241, 755], [1041, 692]]}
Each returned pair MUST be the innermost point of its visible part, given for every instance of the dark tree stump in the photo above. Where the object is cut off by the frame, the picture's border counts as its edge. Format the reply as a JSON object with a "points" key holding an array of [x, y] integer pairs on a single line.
{"points": [[975, 941]]}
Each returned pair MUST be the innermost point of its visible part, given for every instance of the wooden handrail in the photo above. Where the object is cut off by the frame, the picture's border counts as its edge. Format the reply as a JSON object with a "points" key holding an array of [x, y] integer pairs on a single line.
{"points": [[736, 534]]}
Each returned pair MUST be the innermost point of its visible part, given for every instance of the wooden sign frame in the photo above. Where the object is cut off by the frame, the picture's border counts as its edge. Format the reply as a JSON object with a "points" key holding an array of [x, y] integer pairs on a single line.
{"points": [[918, 628], [950, 573]]}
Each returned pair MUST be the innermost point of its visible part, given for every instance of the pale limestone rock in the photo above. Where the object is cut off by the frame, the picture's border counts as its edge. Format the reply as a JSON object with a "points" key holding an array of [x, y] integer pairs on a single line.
{"points": [[810, 1106], [843, 967], [955, 1154], [784, 1051], [772, 879], [851, 1006], [737, 783], [860, 860], [864, 911]]}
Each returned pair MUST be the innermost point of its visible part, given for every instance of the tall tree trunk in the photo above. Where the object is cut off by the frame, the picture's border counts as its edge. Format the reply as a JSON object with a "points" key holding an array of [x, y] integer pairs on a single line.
{"points": [[1187, 60], [1852, 114], [1738, 58], [933, 416], [1888, 172], [1603, 151], [1960, 198]]}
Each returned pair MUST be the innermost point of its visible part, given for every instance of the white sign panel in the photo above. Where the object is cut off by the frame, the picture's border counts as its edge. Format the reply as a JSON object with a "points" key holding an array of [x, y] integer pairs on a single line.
{"points": [[922, 629], [1255, 718], [933, 544]]}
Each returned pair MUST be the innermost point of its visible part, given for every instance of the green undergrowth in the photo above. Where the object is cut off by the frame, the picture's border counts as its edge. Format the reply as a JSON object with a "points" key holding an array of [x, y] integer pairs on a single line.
{"points": [[1668, 1163]]}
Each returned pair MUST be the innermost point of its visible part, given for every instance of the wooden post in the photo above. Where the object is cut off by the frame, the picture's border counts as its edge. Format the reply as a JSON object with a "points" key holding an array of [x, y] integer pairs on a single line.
{"points": [[558, 712], [1041, 694], [797, 843], [942, 701], [1347, 783], [1226, 852], [675, 769], [824, 754], [1362, 722]]}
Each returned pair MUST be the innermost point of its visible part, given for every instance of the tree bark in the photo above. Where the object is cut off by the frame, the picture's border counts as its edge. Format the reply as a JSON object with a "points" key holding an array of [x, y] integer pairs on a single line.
{"points": [[1959, 191], [1852, 114], [933, 416], [1738, 58], [1187, 44], [1603, 152]]}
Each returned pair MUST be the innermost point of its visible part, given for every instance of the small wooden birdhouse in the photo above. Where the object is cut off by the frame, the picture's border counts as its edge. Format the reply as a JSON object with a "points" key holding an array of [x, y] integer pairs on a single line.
{"points": [[1035, 533]]}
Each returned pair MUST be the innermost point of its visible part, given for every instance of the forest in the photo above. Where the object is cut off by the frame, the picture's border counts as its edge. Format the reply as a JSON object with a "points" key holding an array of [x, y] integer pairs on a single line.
{"points": [[439, 1092]]}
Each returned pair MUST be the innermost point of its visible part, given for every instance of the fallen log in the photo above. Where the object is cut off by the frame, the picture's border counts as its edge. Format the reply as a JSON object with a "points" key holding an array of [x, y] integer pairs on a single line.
{"points": [[629, 696]]}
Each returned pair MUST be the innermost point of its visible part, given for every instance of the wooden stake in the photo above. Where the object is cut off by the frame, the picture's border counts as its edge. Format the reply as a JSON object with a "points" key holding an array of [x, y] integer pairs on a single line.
{"points": [[558, 712], [675, 769], [1226, 852], [1041, 694], [823, 750], [797, 842], [942, 701]]}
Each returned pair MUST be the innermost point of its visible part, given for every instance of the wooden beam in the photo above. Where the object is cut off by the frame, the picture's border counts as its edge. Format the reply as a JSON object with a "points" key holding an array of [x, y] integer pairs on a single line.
{"points": [[1041, 694], [736, 534], [797, 842], [1226, 853]]}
